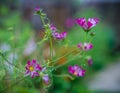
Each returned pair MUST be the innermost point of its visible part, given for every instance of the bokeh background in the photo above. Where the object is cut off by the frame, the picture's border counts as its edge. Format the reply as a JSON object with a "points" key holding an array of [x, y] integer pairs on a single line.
{"points": [[20, 30]]}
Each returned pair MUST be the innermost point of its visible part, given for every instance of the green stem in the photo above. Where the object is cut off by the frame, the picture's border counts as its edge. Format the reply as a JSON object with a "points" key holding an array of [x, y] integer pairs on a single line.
{"points": [[42, 19], [74, 57], [90, 39], [51, 48], [64, 75], [86, 37], [52, 61]]}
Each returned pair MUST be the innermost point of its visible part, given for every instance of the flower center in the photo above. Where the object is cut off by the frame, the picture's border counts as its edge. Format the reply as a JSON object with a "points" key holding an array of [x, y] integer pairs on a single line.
{"points": [[75, 73], [31, 68]]}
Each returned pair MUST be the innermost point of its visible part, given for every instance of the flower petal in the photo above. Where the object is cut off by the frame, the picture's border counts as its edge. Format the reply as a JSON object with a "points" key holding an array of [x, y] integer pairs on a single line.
{"points": [[46, 78], [38, 67], [33, 62], [92, 22], [70, 69]]}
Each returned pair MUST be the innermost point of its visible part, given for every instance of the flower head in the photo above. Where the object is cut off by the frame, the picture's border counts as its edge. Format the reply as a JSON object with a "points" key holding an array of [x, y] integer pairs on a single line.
{"points": [[32, 68], [76, 70], [53, 28], [37, 9], [89, 60], [87, 25], [57, 35], [85, 46]]}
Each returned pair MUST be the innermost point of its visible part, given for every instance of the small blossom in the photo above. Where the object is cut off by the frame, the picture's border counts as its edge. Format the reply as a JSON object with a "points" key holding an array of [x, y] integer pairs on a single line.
{"points": [[45, 76], [87, 25], [37, 9], [57, 35], [85, 46], [32, 68], [90, 61], [53, 28], [76, 70]]}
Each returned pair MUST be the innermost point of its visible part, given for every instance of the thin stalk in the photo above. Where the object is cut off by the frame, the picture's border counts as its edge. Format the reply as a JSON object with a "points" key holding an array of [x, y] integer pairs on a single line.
{"points": [[90, 39], [85, 38], [51, 48], [64, 75]]}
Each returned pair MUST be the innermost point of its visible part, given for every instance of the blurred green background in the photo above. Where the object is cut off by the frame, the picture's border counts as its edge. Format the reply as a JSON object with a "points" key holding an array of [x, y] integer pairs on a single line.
{"points": [[20, 30]]}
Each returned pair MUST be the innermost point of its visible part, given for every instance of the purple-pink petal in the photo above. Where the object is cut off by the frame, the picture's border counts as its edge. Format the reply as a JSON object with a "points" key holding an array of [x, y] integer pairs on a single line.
{"points": [[63, 35], [28, 63], [38, 67], [81, 21], [90, 61], [53, 28], [80, 46], [70, 69], [33, 62], [46, 78]]}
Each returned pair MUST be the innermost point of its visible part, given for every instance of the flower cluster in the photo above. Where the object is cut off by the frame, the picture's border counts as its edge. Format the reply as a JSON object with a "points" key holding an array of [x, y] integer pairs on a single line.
{"points": [[87, 25], [85, 46], [57, 35], [33, 69], [76, 70]]}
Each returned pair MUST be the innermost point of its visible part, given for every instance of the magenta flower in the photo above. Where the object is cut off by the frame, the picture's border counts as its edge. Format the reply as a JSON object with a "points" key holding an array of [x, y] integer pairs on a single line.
{"points": [[85, 47], [37, 9], [90, 61], [53, 28], [32, 68], [57, 35], [87, 25], [76, 70]]}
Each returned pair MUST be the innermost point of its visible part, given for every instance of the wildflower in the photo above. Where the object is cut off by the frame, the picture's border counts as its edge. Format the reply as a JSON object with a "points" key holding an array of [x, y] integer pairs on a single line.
{"points": [[32, 68], [37, 9], [44, 76], [90, 61], [87, 25], [53, 28], [57, 35], [76, 70], [85, 47]]}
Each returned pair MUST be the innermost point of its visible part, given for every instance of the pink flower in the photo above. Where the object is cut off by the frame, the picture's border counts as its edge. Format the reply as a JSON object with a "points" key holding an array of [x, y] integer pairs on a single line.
{"points": [[32, 68], [90, 61], [76, 70], [87, 25], [57, 35], [37, 9], [85, 46], [53, 28], [45, 76]]}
